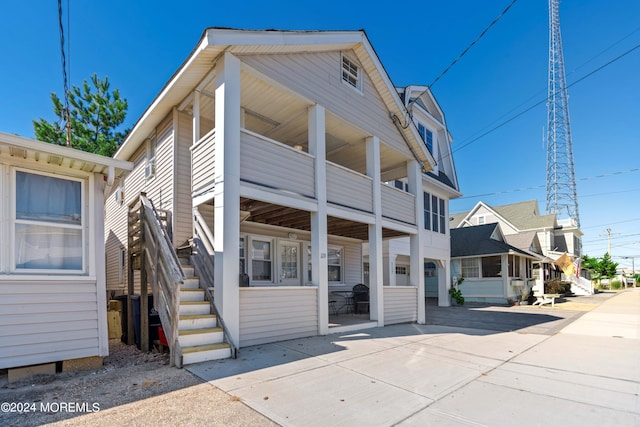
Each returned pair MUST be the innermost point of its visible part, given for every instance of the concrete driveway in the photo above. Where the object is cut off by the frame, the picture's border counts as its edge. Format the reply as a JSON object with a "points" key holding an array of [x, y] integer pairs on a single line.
{"points": [[495, 366]]}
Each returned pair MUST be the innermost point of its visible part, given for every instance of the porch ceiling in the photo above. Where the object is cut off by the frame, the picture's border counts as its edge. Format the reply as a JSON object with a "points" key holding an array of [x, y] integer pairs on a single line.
{"points": [[278, 114], [282, 216]]}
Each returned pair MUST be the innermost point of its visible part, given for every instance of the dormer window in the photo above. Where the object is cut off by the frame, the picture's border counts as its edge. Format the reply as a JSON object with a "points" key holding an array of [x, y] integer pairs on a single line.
{"points": [[427, 136], [351, 73]]}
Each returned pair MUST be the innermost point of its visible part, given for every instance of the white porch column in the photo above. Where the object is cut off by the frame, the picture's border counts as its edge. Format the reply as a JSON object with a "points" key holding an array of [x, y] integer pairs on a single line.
{"points": [[416, 241], [504, 266], [444, 282], [319, 240], [227, 194], [376, 289]]}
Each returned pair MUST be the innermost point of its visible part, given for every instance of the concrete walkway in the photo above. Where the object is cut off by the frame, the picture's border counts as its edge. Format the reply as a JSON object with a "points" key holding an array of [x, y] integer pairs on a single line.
{"points": [[588, 374]]}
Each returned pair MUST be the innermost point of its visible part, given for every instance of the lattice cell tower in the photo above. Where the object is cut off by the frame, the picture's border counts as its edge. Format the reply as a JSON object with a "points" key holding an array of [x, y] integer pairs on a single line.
{"points": [[562, 197]]}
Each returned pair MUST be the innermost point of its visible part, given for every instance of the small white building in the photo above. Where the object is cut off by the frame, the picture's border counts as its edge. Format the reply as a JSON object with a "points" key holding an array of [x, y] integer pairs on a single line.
{"points": [[52, 259]]}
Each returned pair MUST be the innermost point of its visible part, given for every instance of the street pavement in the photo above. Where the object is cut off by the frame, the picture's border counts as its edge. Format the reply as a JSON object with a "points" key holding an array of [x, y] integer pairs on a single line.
{"points": [[470, 365]]}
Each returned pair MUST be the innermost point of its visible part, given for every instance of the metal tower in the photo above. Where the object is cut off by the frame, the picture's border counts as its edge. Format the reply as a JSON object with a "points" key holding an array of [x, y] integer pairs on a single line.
{"points": [[562, 197]]}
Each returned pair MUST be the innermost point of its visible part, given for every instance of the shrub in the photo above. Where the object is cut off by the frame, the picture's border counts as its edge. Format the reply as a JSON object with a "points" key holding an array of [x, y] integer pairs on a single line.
{"points": [[557, 287], [616, 284]]}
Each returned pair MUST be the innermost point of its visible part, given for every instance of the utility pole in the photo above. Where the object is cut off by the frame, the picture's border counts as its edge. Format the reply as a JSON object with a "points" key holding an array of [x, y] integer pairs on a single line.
{"points": [[608, 236], [562, 197]]}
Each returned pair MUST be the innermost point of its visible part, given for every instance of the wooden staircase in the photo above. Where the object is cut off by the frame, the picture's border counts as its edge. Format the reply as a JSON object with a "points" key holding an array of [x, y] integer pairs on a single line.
{"points": [[199, 334]]}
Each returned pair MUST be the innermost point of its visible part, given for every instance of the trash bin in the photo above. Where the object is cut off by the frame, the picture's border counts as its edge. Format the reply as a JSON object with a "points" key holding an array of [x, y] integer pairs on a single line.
{"points": [[153, 330], [123, 316]]}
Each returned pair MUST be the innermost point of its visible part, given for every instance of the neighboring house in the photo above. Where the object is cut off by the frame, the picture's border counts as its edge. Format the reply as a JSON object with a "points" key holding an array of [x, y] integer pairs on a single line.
{"points": [[439, 186], [525, 228], [52, 281], [493, 270], [281, 144]]}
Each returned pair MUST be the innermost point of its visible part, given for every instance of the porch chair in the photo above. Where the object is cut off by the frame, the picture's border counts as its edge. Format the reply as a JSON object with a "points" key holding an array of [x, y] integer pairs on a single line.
{"points": [[360, 298]]}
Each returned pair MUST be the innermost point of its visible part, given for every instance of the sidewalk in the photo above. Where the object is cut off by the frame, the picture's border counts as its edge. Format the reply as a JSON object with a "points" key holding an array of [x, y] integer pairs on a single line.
{"points": [[588, 374]]}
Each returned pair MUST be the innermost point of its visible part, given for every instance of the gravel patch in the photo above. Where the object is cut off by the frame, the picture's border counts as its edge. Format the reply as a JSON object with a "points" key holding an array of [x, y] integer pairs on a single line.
{"points": [[132, 388]]}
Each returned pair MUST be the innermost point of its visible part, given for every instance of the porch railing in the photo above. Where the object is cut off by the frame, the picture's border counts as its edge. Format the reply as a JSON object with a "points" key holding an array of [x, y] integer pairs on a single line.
{"points": [[346, 187], [398, 205], [272, 164]]}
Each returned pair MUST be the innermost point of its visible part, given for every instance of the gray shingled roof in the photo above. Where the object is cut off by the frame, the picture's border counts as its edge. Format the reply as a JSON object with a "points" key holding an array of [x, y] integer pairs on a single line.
{"points": [[522, 215], [476, 241]]}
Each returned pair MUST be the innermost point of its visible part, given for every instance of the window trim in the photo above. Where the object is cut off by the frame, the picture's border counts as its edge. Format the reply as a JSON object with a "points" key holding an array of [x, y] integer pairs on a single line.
{"points": [[349, 73], [272, 259], [13, 221], [428, 142]]}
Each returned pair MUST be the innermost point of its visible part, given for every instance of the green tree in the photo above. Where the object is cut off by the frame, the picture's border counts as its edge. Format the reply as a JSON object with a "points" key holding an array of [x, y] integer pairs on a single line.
{"points": [[600, 267], [95, 113], [607, 266]]}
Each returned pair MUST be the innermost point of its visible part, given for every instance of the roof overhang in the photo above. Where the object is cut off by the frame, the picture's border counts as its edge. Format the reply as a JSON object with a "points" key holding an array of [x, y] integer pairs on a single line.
{"points": [[39, 151], [215, 41]]}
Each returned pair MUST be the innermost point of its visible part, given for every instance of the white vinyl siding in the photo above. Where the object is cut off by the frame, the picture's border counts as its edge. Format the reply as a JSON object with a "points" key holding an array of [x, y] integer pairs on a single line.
{"points": [[160, 190], [311, 75], [47, 321], [400, 304], [277, 314], [182, 210]]}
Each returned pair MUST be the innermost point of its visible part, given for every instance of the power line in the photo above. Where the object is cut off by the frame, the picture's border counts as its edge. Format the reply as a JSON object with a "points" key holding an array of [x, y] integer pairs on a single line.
{"points": [[535, 187], [542, 101], [541, 91], [472, 43]]}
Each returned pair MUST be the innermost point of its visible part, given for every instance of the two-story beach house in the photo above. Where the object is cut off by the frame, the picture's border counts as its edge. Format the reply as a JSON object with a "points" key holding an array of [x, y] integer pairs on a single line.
{"points": [[273, 156]]}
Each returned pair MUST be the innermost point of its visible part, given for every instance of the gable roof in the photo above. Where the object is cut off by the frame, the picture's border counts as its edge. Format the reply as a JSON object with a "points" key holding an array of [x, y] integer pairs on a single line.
{"points": [[480, 240], [522, 215], [215, 41]]}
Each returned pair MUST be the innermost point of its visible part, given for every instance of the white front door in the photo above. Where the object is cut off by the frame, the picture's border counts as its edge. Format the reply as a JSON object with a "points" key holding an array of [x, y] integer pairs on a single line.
{"points": [[289, 263]]}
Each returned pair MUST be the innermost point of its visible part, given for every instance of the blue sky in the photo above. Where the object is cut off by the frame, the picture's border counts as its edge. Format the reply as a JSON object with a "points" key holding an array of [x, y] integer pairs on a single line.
{"points": [[140, 44]]}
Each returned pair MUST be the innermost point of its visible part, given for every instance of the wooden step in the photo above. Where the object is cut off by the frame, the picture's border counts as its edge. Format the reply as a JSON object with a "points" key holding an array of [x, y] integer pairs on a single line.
{"points": [[189, 270], [197, 321], [194, 307], [191, 294], [191, 282], [198, 337], [202, 353]]}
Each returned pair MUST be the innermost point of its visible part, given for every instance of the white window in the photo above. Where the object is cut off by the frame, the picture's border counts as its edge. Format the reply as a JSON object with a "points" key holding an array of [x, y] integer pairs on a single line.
{"points": [[434, 213], [335, 264], [470, 267], [427, 136], [514, 266], [482, 220], [261, 266], [48, 223], [150, 166], [401, 269], [351, 73], [334, 261]]}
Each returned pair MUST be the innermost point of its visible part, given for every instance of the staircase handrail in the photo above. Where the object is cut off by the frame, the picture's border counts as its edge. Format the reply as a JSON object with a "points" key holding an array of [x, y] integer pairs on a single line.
{"points": [[203, 261], [167, 276]]}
